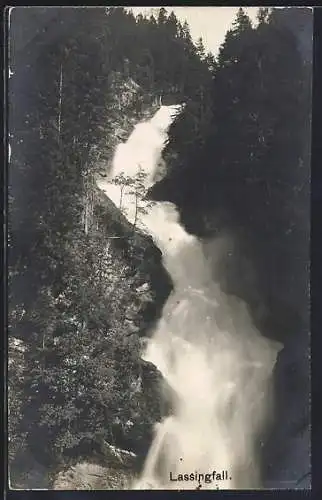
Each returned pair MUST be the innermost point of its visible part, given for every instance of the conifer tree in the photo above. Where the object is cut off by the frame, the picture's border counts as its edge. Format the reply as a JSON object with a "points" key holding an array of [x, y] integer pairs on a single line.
{"points": [[263, 15], [242, 22], [162, 17], [200, 48]]}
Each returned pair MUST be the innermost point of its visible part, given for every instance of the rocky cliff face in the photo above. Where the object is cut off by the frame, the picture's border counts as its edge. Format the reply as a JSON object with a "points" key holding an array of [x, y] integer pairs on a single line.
{"points": [[154, 283]]}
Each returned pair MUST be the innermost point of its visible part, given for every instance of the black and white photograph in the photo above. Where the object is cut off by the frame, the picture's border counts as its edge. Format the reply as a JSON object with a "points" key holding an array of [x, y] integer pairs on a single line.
{"points": [[158, 248]]}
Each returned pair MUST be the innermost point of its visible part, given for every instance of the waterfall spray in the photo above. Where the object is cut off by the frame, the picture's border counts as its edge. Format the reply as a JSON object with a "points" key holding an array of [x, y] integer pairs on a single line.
{"points": [[217, 365]]}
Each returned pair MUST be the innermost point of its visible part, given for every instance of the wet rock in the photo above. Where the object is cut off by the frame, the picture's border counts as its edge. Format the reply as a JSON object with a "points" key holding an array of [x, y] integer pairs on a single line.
{"points": [[117, 469], [117, 457], [130, 327], [143, 288], [89, 476]]}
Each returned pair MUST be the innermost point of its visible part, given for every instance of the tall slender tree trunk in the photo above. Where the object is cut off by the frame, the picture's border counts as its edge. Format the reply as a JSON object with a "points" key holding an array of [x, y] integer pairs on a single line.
{"points": [[60, 101], [121, 197], [259, 63], [86, 216], [136, 212]]}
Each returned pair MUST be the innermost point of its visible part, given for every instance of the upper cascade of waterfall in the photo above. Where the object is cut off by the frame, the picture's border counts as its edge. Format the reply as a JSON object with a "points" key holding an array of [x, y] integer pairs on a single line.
{"points": [[165, 116], [141, 153], [144, 146]]}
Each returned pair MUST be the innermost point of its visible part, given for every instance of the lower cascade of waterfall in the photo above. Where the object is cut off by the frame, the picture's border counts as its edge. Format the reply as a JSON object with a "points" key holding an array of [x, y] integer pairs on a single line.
{"points": [[216, 365]]}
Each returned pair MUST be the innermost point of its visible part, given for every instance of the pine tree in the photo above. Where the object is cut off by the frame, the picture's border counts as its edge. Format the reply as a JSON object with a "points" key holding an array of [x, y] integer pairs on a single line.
{"points": [[185, 33], [162, 17], [242, 22], [263, 15], [200, 48], [172, 25], [211, 62], [152, 20], [237, 39]]}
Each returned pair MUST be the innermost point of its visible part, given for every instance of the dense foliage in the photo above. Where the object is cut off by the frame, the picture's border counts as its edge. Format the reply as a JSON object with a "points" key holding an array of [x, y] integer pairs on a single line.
{"points": [[246, 164], [81, 77]]}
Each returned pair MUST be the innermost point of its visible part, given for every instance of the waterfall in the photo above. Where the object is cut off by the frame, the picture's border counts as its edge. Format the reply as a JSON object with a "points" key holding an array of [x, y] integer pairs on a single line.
{"points": [[217, 365]]}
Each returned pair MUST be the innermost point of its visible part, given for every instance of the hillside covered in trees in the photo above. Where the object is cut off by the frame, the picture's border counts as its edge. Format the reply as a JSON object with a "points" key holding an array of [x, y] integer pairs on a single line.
{"points": [[80, 296], [243, 171], [245, 164]]}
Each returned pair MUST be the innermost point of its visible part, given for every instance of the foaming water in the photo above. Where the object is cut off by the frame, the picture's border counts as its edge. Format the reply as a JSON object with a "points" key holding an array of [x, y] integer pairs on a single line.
{"points": [[216, 366]]}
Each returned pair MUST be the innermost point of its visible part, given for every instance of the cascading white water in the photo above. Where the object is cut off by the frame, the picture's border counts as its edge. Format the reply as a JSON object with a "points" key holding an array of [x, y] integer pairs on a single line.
{"points": [[216, 365]]}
